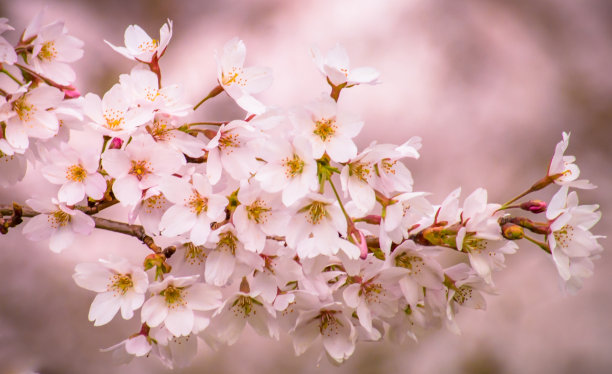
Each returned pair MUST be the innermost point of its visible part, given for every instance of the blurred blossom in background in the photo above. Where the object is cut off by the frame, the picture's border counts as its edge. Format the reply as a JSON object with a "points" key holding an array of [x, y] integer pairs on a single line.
{"points": [[488, 84]]}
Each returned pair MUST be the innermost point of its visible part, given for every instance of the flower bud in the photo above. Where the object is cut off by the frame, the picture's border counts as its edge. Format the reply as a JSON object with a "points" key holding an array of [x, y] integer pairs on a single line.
{"points": [[71, 92], [116, 143], [534, 206], [511, 231]]}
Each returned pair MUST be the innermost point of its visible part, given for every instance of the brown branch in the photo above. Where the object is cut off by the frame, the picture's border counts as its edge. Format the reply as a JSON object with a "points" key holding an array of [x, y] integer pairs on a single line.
{"points": [[137, 231]]}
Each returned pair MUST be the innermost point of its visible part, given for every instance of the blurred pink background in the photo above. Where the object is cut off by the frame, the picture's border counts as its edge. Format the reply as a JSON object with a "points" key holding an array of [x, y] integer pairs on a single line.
{"points": [[488, 84]]}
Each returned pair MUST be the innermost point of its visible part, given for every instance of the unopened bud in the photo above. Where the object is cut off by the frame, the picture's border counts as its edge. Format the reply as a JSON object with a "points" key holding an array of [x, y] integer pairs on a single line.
{"points": [[71, 92], [534, 206], [511, 231], [116, 143]]}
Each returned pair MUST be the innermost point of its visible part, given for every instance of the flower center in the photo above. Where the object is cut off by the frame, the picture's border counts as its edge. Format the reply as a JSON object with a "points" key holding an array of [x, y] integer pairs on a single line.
{"points": [[76, 173], [388, 166], [293, 166], [148, 46], [227, 242], [373, 292], [59, 218], [197, 203], [414, 263], [48, 52], [174, 296], [328, 323], [462, 294], [24, 110], [228, 141], [194, 254], [475, 245], [564, 236], [115, 119], [120, 283], [160, 131], [153, 203], [315, 212], [360, 170], [152, 93], [140, 168], [258, 211], [325, 128], [232, 76], [244, 306]]}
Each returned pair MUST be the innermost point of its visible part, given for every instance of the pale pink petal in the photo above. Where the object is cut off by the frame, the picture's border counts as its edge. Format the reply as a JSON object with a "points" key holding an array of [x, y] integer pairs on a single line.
{"points": [[201, 296], [177, 220], [61, 239], [71, 192], [127, 190], [103, 308], [154, 311], [179, 321]]}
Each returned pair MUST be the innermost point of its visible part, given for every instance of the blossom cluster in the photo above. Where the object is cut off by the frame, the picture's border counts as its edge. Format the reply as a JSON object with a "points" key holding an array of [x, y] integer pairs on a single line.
{"points": [[276, 220]]}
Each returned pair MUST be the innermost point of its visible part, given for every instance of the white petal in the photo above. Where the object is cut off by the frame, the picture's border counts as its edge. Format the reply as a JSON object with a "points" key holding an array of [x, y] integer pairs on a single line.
{"points": [[154, 311], [180, 321], [104, 308]]}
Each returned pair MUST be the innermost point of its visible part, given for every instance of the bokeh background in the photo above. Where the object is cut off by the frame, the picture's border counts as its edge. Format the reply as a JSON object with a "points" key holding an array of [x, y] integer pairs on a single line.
{"points": [[488, 84]]}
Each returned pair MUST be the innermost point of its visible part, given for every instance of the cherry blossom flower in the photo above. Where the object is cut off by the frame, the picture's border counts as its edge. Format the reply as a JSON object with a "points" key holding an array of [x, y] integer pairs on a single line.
{"points": [[150, 210], [7, 52], [240, 82], [113, 115], [330, 323], [258, 215], [77, 173], [52, 49], [120, 285], [336, 66], [377, 167], [481, 236], [142, 86], [370, 292], [466, 289], [56, 222], [13, 166], [421, 271], [328, 129], [290, 168], [174, 301], [125, 350], [143, 164], [231, 150], [406, 213], [239, 309], [572, 244], [140, 47], [563, 169], [175, 351], [226, 256], [392, 175], [165, 130], [28, 114], [195, 208], [314, 227]]}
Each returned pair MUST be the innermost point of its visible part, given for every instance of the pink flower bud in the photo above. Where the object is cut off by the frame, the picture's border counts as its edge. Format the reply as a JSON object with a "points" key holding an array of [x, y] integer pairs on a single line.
{"points": [[534, 206], [361, 243], [116, 143], [71, 92]]}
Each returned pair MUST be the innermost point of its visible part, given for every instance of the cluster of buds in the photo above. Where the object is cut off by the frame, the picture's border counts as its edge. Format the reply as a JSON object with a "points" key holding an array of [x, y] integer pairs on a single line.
{"points": [[276, 220]]}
